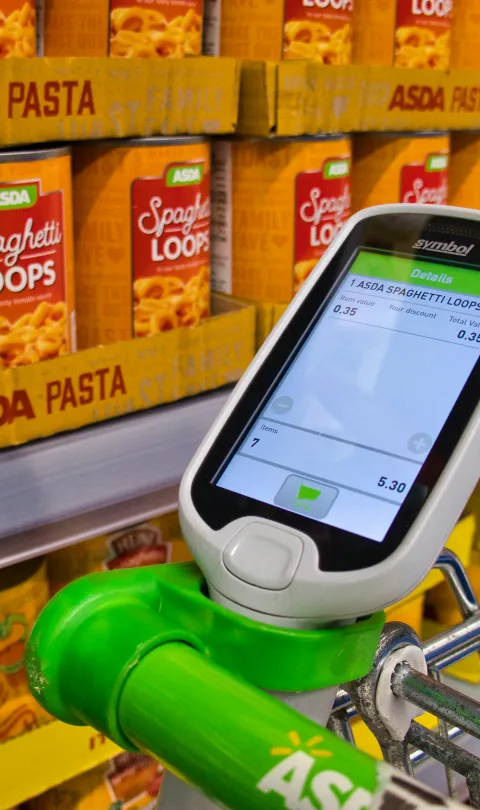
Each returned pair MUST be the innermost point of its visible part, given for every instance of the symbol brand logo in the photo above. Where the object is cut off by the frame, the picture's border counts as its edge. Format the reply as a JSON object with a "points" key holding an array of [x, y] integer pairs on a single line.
{"points": [[443, 247]]}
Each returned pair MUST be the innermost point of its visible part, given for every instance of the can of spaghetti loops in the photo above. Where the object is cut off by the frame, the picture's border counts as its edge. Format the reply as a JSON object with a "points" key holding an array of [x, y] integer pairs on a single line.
{"points": [[277, 205], [149, 29], [37, 302], [400, 168], [280, 29], [142, 235], [403, 33], [465, 170], [466, 36]]}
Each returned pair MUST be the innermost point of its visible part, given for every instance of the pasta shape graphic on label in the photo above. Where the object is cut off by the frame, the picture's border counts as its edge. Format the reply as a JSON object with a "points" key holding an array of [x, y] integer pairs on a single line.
{"points": [[39, 335], [305, 39], [417, 47], [163, 303], [18, 32], [147, 33]]}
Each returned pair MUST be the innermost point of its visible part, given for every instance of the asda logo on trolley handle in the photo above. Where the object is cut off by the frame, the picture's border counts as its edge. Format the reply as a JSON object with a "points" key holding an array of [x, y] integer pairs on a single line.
{"points": [[304, 779], [300, 784]]}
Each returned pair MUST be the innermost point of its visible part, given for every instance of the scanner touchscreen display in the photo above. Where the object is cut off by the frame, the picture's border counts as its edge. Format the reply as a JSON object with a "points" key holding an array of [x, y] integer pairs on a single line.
{"points": [[347, 429]]}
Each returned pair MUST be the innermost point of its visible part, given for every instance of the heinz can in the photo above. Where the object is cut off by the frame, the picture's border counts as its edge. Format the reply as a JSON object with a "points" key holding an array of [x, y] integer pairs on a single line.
{"points": [[37, 309], [153, 542], [277, 205], [127, 781], [465, 169], [18, 29], [400, 168], [403, 33], [142, 233], [280, 29], [123, 28]]}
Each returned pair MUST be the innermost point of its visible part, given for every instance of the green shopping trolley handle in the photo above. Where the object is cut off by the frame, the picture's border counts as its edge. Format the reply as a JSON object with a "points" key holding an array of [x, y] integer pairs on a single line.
{"points": [[144, 657], [238, 745]]}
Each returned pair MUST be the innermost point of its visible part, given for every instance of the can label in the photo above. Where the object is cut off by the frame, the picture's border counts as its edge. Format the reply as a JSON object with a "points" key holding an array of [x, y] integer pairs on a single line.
{"points": [[155, 28], [140, 545], [33, 309], [19, 609], [422, 36], [427, 182], [18, 28], [134, 778], [171, 248], [322, 207], [318, 29]]}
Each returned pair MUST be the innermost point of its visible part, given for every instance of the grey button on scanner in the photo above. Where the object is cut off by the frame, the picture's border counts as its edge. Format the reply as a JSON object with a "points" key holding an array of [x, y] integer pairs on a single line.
{"points": [[307, 497], [264, 556]]}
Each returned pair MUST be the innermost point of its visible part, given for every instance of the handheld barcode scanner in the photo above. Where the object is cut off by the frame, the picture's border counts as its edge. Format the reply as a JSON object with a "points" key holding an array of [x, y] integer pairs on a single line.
{"points": [[324, 492], [330, 481]]}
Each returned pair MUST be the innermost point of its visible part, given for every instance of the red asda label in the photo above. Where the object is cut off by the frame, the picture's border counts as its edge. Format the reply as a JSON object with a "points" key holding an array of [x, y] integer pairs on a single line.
{"points": [[171, 222], [32, 257], [322, 207], [433, 14], [425, 183]]}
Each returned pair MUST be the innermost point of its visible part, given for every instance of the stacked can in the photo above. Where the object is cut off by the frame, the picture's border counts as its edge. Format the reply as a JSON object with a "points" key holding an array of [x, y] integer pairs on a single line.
{"points": [[277, 206], [400, 168], [23, 594], [18, 29], [465, 170], [154, 542], [149, 29], [37, 301], [403, 33], [466, 35], [142, 234], [280, 29], [128, 780]]}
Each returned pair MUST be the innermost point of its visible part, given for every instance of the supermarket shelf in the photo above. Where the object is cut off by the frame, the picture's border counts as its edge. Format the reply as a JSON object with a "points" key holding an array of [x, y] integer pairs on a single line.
{"points": [[66, 489], [211, 95], [46, 757]]}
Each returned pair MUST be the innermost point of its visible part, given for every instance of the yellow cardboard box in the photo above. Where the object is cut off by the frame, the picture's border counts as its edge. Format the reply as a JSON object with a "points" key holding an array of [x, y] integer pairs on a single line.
{"points": [[75, 99], [299, 97], [98, 384], [48, 756], [268, 316]]}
